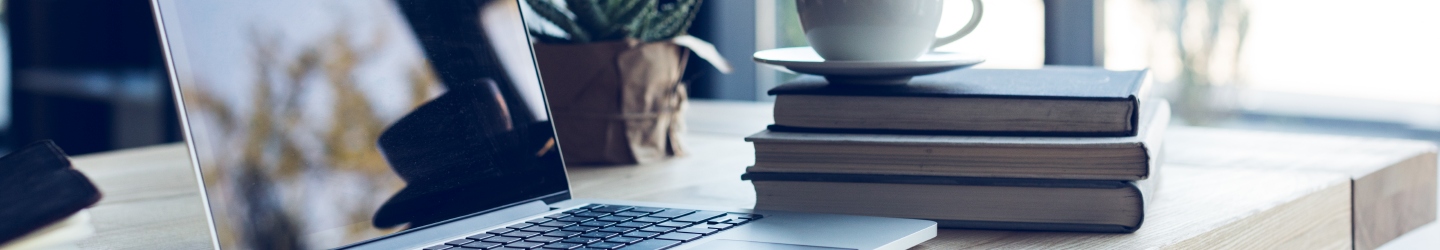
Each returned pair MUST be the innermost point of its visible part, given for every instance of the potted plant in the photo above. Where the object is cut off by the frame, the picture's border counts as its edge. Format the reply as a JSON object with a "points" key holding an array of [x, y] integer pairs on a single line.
{"points": [[612, 75]]}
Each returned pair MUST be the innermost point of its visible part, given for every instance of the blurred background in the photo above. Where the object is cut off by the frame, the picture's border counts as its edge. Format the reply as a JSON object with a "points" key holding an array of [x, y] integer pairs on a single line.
{"points": [[89, 73], [85, 73]]}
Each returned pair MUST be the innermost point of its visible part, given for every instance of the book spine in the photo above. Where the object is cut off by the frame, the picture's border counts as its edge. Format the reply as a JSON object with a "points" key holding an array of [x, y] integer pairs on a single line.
{"points": [[936, 180], [1036, 226], [1154, 141], [956, 211], [1115, 133]]}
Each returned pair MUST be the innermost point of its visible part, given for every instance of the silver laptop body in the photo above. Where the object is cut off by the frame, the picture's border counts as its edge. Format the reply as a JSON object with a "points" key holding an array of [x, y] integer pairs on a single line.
{"points": [[404, 124]]}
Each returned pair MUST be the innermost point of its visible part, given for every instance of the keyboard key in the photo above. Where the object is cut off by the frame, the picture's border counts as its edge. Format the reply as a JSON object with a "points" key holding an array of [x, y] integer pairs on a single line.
{"points": [[590, 214], [459, 242], [558, 224], [507, 248], [554, 216], [500, 231], [698, 229], [520, 234], [597, 223], [562, 234], [480, 236], [617, 229], [649, 219], [657, 229], [598, 234], [582, 229], [439, 247], [653, 244], [562, 245], [747, 216], [631, 213], [576, 219], [501, 239], [672, 213], [698, 216], [673, 224], [624, 240], [538, 220], [605, 245], [592, 206], [524, 245], [679, 236], [543, 239], [721, 226], [615, 218], [633, 224], [732, 219], [519, 226], [481, 245], [581, 240], [722, 219], [647, 209], [641, 234], [612, 209], [539, 229]]}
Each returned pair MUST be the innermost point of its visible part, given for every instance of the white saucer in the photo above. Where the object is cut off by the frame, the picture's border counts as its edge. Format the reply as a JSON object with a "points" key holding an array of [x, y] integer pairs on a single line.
{"points": [[804, 60]]}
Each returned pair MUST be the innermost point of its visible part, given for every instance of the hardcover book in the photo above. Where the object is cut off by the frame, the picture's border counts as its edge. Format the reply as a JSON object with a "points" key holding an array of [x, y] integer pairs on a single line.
{"points": [[1092, 158], [1112, 206], [1051, 101]]}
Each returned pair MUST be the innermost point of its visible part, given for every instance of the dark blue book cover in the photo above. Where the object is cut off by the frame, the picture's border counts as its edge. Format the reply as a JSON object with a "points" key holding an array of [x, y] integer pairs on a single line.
{"points": [[1050, 101], [1140, 193], [1054, 82]]}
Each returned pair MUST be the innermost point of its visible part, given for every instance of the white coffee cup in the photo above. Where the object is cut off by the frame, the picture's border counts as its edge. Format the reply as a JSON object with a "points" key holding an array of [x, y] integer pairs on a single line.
{"points": [[876, 30]]}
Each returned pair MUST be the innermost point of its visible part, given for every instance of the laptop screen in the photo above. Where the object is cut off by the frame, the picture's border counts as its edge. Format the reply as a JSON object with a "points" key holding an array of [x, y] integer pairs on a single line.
{"points": [[317, 124]]}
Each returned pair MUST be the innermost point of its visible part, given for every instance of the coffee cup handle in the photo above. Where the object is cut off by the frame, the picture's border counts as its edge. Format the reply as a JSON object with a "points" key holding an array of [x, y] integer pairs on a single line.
{"points": [[970, 26]]}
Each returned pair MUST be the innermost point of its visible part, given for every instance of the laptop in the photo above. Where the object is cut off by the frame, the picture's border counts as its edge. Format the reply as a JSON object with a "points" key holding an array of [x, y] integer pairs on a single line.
{"points": [[417, 124]]}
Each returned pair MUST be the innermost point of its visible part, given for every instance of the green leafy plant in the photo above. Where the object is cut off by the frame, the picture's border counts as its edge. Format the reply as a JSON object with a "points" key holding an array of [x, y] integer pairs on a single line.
{"points": [[586, 21]]}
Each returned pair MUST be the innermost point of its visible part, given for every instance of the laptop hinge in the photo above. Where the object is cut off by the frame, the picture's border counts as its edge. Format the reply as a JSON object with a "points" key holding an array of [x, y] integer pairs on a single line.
{"points": [[418, 237]]}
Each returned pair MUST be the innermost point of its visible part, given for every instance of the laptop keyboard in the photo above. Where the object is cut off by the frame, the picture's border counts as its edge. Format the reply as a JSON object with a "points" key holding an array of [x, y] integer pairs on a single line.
{"points": [[598, 226]]}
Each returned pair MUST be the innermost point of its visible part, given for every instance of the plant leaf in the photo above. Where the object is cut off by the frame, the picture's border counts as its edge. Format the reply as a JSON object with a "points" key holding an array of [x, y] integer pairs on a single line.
{"points": [[671, 23], [588, 14], [552, 13], [630, 14]]}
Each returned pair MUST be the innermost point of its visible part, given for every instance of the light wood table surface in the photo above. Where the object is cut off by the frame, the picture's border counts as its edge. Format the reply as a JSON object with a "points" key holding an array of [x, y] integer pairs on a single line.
{"points": [[152, 200]]}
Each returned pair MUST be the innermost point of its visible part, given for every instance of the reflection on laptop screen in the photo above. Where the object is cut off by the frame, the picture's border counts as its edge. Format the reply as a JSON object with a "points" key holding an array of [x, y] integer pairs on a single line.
{"points": [[318, 124]]}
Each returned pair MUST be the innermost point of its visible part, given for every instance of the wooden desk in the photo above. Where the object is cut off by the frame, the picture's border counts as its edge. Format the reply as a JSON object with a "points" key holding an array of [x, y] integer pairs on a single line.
{"points": [[152, 200]]}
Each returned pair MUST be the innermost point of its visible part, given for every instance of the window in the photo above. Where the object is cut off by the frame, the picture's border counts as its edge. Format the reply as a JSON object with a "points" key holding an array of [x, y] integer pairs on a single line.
{"points": [[1365, 61]]}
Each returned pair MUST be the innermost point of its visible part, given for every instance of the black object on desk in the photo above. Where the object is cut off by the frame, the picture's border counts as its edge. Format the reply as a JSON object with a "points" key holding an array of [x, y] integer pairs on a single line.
{"points": [[38, 187]]}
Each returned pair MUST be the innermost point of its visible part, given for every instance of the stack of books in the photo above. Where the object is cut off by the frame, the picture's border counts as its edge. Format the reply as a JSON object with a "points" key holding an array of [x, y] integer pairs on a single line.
{"points": [[1054, 149]]}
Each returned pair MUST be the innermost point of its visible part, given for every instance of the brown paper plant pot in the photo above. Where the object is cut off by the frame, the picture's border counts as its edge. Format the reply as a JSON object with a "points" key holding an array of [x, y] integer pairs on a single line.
{"points": [[615, 102]]}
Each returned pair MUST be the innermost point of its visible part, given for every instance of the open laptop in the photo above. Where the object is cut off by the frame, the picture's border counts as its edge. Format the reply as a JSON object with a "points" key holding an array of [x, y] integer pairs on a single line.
{"points": [[416, 124]]}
